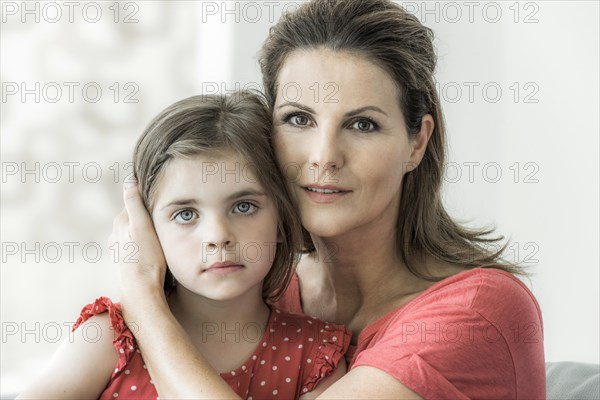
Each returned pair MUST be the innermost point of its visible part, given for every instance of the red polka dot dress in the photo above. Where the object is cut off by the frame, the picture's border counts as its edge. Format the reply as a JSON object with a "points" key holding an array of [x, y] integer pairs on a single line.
{"points": [[293, 354]]}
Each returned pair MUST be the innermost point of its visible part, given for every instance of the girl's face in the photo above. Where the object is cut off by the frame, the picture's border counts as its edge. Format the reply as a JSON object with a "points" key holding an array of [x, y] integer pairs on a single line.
{"points": [[340, 139], [216, 224]]}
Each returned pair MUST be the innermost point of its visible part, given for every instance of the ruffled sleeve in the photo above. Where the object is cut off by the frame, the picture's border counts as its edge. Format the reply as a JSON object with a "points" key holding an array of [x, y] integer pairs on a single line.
{"points": [[124, 341], [331, 344]]}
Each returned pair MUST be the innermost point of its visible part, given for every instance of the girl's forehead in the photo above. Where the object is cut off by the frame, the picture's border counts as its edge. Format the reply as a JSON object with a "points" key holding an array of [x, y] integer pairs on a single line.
{"points": [[225, 167]]}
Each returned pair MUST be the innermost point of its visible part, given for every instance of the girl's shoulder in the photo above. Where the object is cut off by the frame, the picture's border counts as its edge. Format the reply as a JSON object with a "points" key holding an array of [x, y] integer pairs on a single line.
{"points": [[105, 310], [289, 327]]}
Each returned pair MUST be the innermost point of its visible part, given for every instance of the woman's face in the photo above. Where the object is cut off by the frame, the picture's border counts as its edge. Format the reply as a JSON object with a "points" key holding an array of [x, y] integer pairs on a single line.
{"points": [[341, 141]]}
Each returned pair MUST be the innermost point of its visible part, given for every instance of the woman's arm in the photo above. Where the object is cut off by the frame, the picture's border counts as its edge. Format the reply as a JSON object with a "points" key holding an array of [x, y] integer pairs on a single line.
{"points": [[80, 368], [176, 366]]}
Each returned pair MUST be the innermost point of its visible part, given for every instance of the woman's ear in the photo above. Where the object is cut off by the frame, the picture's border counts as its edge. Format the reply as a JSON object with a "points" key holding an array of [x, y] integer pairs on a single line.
{"points": [[419, 142]]}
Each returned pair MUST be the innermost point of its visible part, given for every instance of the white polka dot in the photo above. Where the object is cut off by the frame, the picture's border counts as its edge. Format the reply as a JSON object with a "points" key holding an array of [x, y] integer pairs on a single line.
{"points": [[130, 347], [250, 398], [275, 392], [299, 330], [327, 357], [277, 311], [274, 367], [322, 331], [254, 357], [274, 347], [288, 380], [300, 346], [262, 362], [115, 394], [127, 372], [310, 339], [121, 351], [287, 358], [244, 367], [334, 339], [134, 388], [233, 373], [96, 308], [304, 390], [326, 326], [310, 322], [272, 330], [262, 383], [264, 344], [116, 370], [309, 360], [286, 339], [324, 340], [283, 323]]}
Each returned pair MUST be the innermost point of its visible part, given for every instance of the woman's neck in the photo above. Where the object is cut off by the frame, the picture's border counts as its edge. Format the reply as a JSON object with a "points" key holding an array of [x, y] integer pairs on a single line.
{"points": [[358, 276]]}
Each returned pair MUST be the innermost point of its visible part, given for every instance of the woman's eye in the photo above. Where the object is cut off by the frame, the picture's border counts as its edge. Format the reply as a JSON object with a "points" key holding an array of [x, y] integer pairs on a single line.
{"points": [[244, 207], [185, 216], [297, 119], [364, 125]]}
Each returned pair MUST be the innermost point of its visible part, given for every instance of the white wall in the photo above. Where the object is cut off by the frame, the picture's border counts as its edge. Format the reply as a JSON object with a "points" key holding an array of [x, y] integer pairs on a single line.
{"points": [[548, 133]]}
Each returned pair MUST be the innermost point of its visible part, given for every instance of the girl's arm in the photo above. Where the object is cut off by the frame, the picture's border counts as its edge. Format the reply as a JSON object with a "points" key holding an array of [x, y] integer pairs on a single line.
{"points": [[80, 368], [176, 366]]}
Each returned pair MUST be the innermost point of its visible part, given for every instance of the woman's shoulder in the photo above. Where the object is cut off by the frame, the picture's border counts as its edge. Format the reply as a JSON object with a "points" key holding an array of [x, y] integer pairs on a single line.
{"points": [[480, 289]]}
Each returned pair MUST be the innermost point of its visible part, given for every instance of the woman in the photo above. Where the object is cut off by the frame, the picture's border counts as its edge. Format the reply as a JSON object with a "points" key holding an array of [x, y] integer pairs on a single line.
{"points": [[361, 140]]}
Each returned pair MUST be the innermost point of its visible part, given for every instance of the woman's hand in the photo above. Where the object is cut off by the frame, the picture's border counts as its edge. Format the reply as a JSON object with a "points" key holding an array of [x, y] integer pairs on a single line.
{"points": [[142, 263]]}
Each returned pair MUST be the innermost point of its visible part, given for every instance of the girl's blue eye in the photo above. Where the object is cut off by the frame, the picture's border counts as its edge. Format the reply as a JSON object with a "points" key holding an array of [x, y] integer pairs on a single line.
{"points": [[244, 207], [185, 216]]}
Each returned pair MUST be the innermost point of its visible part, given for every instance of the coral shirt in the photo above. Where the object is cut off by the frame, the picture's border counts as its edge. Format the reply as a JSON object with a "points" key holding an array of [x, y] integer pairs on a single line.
{"points": [[477, 334], [293, 354]]}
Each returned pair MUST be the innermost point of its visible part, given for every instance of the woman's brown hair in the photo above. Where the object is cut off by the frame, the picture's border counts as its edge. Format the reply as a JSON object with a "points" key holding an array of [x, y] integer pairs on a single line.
{"points": [[384, 33], [209, 124]]}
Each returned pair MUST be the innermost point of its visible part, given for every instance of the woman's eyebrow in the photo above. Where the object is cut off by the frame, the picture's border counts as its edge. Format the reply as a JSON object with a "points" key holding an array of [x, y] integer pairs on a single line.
{"points": [[348, 114], [298, 105], [363, 109]]}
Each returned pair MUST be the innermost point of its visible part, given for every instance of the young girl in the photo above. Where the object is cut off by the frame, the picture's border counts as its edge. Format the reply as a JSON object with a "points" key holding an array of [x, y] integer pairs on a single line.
{"points": [[208, 176]]}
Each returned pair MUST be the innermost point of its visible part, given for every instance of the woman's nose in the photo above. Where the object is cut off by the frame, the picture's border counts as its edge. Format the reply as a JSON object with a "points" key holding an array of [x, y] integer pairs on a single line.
{"points": [[327, 153]]}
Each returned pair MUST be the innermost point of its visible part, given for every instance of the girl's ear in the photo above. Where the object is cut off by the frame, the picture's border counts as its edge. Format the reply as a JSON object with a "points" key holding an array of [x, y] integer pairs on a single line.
{"points": [[419, 142]]}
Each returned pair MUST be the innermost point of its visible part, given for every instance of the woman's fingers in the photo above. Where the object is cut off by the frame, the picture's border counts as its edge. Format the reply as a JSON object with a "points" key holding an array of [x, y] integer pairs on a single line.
{"points": [[139, 220]]}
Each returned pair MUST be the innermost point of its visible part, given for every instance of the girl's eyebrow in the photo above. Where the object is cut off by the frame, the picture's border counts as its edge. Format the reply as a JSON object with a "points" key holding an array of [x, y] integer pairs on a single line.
{"points": [[181, 202], [194, 202], [348, 114], [247, 192]]}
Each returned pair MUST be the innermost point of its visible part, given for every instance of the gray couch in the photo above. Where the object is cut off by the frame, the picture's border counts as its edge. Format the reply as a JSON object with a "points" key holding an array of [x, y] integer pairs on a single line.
{"points": [[572, 380]]}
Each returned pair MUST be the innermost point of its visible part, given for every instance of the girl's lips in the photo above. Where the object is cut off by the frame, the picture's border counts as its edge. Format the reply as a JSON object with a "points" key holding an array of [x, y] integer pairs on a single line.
{"points": [[223, 267]]}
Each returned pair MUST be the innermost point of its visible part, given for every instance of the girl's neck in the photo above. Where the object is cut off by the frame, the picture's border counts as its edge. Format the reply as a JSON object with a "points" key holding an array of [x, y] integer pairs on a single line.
{"points": [[218, 329], [198, 314]]}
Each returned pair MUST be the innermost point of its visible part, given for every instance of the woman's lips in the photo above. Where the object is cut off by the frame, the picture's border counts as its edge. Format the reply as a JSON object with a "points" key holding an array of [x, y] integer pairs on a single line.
{"points": [[325, 194]]}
